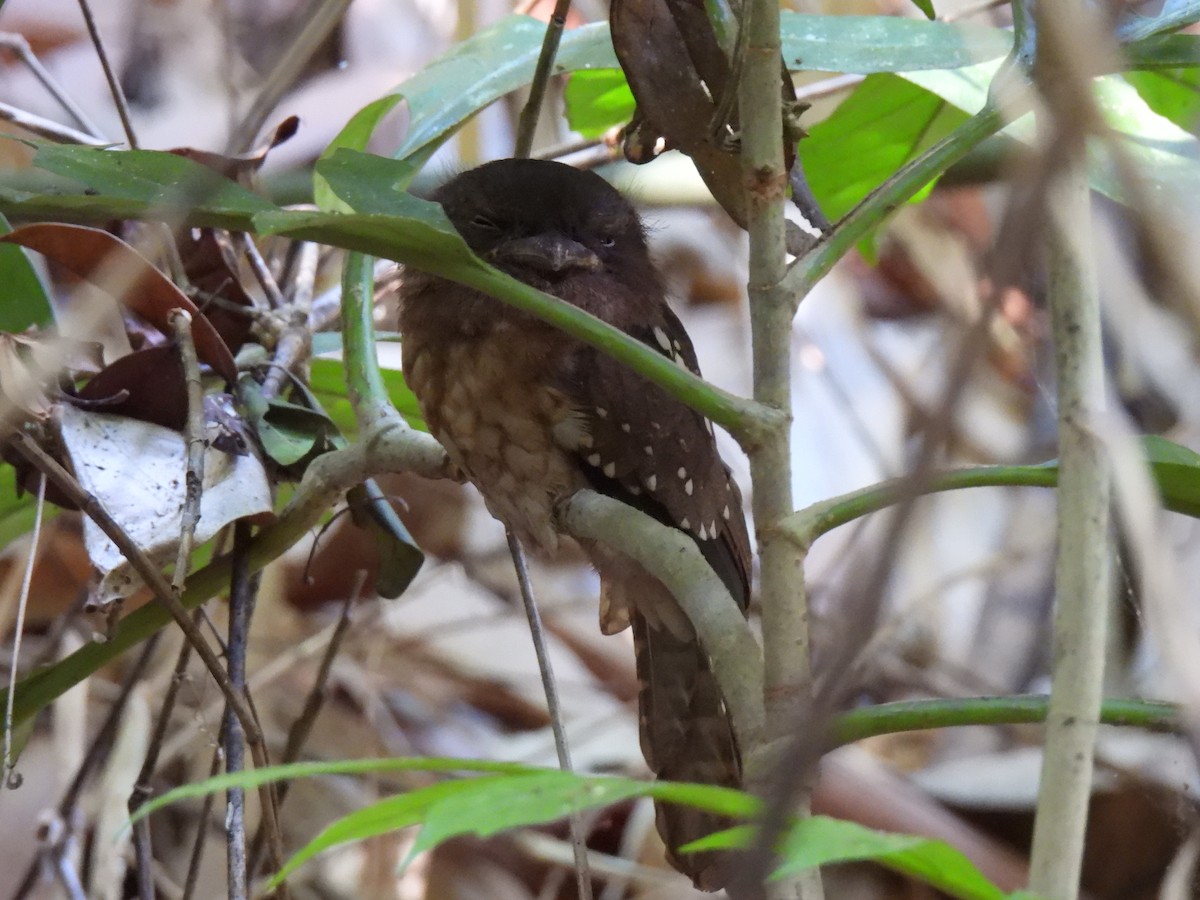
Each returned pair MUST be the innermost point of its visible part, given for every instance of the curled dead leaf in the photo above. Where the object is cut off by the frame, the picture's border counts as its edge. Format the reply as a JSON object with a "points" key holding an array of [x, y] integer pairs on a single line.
{"points": [[114, 266]]}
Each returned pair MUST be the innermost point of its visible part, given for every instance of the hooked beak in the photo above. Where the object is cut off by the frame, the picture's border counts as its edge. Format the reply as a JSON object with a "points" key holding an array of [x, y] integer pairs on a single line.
{"points": [[550, 254]]}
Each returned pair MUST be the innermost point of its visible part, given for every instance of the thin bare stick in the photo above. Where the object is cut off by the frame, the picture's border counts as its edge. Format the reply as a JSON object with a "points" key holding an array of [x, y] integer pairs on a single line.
{"points": [[18, 45], [527, 123], [153, 578], [104, 738], [294, 345], [142, 788], [262, 273], [114, 84], [181, 322], [47, 128], [242, 595], [319, 18], [11, 778], [583, 877], [302, 727], [193, 872]]}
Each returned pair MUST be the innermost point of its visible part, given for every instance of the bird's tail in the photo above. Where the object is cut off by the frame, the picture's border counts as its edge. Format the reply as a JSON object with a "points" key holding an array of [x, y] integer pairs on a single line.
{"points": [[686, 735]]}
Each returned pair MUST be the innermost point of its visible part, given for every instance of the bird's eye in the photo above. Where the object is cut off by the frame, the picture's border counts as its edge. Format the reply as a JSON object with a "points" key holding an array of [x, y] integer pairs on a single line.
{"points": [[607, 240], [484, 222]]}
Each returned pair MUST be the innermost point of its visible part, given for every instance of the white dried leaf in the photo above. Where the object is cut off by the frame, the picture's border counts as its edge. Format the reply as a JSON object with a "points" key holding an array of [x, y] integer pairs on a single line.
{"points": [[137, 472]]}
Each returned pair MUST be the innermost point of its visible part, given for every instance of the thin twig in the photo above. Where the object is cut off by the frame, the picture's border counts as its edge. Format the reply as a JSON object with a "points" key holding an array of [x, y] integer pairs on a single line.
{"points": [[319, 19], [20, 46], [181, 322], [527, 123], [46, 128], [583, 878], [262, 272], [150, 575], [302, 727], [294, 345], [1083, 565], [114, 83], [11, 778], [142, 788], [95, 751], [193, 872], [242, 591]]}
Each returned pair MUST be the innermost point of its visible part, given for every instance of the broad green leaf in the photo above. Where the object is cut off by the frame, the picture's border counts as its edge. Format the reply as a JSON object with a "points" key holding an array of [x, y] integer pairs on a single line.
{"points": [[884, 123], [162, 181], [1172, 93], [23, 300], [354, 136], [869, 44], [820, 841], [400, 559], [598, 100], [328, 382]]}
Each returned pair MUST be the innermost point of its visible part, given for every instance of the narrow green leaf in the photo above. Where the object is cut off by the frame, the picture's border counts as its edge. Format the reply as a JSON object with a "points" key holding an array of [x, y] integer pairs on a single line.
{"points": [[926, 7], [389, 814], [820, 841], [498, 804], [23, 300]]}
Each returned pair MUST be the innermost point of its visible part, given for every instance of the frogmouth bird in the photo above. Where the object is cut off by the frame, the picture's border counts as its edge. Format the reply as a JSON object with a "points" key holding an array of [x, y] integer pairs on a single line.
{"points": [[531, 416]]}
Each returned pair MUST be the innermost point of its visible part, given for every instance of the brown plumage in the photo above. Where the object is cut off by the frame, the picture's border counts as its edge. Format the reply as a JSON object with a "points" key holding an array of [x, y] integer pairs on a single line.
{"points": [[531, 416]]}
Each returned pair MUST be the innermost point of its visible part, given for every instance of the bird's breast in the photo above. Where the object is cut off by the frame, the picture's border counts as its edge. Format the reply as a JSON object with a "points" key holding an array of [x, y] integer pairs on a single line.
{"points": [[500, 423]]}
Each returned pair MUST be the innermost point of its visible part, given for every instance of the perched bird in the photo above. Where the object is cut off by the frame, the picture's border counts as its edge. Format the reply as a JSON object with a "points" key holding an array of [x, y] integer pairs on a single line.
{"points": [[531, 416]]}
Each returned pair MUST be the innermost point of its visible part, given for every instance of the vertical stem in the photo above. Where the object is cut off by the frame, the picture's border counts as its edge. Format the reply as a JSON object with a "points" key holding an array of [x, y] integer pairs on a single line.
{"points": [[1082, 570], [784, 611]]}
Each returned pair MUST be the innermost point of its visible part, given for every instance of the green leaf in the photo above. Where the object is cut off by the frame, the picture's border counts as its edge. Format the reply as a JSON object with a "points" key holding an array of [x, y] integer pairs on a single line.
{"points": [[328, 382], [389, 814], [17, 512], [354, 136], [400, 558], [23, 300], [499, 804], [597, 100], [289, 432], [820, 841], [1172, 93], [926, 7], [156, 180], [1176, 470], [883, 124]]}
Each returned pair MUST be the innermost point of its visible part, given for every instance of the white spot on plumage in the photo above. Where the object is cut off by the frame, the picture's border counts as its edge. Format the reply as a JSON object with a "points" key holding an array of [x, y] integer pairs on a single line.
{"points": [[651, 482], [682, 473], [649, 450], [687, 487], [594, 459], [635, 490], [725, 513], [685, 524], [625, 427], [663, 340], [610, 470], [602, 412]]}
